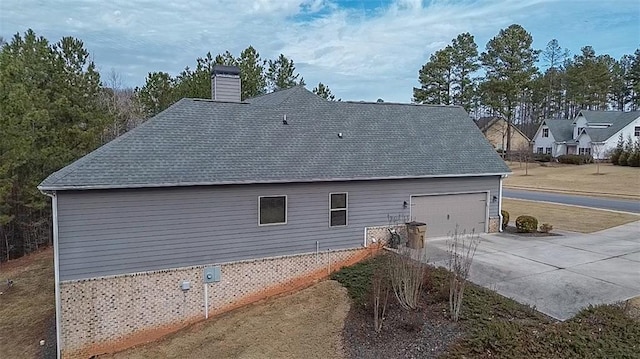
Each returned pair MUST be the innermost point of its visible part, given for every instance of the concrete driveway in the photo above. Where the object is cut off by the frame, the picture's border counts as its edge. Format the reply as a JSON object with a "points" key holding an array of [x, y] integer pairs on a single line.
{"points": [[557, 275]]}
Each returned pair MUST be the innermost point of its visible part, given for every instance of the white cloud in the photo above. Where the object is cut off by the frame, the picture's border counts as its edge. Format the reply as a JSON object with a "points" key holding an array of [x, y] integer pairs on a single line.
{"points": [[364, 50]]}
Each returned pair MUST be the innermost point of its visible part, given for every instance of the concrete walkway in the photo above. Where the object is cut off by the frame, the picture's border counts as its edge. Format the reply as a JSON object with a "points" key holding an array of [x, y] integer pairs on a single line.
{"points": [[558, 275]]}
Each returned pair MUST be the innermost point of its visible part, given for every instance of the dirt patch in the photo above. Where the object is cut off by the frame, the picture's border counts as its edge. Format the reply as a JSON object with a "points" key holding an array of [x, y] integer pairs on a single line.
{"points": [[568, 218], [306, 324], [27, 307], [613, 181], [423, 333], [513, 230]]}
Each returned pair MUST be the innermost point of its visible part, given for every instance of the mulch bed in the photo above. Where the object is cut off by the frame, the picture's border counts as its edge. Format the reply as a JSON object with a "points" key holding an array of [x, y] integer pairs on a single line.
{"points": [[513, 230], [421, 333]]}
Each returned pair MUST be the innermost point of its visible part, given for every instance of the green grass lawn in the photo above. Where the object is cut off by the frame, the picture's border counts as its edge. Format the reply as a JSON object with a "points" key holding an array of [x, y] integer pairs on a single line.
{"points": [[498, 327]]}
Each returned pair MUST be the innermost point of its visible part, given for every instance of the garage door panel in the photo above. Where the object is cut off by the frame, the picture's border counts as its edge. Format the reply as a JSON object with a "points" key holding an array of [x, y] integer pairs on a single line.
{"points": [[442, 213]]}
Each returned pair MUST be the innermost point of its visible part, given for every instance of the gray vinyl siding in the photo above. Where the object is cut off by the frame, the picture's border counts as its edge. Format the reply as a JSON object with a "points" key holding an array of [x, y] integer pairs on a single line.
{"points": [[113, 232], [226, 88]]}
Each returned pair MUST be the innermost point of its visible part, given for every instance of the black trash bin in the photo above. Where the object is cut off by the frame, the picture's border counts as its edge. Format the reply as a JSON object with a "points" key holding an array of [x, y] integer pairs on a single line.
{"points": [[415, 234]]}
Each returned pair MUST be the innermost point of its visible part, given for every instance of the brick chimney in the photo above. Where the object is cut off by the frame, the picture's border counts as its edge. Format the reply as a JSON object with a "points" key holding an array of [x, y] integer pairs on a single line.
{"points": [[225, 83]]}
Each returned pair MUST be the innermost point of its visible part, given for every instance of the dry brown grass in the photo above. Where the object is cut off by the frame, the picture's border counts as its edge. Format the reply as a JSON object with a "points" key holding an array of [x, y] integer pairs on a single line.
{"points": [[568, 218], [613, 181], [306, 324], [26, 307]]}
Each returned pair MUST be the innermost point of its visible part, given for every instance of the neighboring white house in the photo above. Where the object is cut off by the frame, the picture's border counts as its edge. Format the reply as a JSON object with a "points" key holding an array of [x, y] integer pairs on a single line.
{"points": [[593, 133]]}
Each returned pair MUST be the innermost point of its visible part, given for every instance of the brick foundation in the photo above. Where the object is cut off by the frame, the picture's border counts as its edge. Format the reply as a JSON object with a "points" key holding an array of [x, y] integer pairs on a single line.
{"points": [[494, 224], [107, 314]]}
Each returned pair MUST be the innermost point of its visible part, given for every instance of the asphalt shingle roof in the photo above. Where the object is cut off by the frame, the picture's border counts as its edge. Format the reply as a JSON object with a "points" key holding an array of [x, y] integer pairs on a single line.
{"points": [[204, 142], [562, 130], [617, 119]]}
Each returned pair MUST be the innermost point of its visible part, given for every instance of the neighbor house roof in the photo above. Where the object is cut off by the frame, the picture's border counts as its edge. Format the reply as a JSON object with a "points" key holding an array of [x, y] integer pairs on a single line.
{"points": [[616, 120], [485, 123], [562, 130], [205, 142]]}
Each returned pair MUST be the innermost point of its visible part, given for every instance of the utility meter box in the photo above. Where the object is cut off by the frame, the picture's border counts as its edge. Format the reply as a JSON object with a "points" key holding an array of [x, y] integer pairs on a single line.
{"points": [[212, 274]]}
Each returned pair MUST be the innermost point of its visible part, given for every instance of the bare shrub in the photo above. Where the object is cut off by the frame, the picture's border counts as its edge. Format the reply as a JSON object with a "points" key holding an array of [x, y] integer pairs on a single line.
{"points": [[462, 248], [380, 291], [407, 269]]}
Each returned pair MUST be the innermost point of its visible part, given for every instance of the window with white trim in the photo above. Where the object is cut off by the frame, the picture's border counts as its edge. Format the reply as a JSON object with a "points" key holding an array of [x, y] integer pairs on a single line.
{"points": [[636, 131], [547, 150], [272, 210], [539, 150], [545, 132], [338, 207], [584, 151]]}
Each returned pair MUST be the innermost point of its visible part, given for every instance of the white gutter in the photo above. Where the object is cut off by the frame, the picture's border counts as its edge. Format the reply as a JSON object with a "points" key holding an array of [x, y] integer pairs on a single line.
{"points": [[56, 266], [190, 184]]}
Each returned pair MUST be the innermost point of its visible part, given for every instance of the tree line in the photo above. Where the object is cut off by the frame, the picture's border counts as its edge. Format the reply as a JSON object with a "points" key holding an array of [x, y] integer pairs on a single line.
{"points": [[505, 80], [55, 108]]}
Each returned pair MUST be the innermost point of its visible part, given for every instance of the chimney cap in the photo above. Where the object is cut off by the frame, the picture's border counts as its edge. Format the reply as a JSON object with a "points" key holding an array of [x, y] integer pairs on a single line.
{"points": [[225, 70]]}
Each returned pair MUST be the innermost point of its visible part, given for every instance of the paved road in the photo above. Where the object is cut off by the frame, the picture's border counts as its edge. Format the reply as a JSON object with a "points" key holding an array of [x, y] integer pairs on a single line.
{"points": [[595, 202]]}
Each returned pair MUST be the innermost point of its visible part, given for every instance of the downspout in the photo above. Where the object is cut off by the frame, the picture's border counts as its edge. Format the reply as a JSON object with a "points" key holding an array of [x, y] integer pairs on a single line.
{"points": [[56, 266], [500, 202]]}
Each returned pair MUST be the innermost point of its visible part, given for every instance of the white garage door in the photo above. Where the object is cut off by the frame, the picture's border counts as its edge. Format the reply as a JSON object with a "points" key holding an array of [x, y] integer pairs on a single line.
{"points": [[442, 213]]}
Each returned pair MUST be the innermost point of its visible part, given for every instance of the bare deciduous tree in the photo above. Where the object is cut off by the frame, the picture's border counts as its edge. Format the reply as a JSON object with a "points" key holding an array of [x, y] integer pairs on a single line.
{"points": [[462, 249], [380, 291], [597, 151], [406, 271], [121, 105]]}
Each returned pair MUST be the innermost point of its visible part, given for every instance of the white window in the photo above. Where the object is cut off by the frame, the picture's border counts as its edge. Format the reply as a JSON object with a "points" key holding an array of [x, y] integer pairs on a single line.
{"points": [[547, 150], [545, 132], [636, 131], [338, 204], [584, 151], [539, 150], [272, 210]]}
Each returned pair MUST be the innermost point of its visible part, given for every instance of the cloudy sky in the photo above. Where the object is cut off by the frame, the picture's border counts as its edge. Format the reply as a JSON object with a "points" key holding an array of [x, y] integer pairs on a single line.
{"points": [[362, 49]]}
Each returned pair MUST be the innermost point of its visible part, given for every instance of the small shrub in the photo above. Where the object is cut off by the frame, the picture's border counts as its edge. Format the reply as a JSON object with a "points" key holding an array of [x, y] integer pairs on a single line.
{"points": [[615, 155], [546, 228], [575, 159], [622, 160], [633, 159], [526, 224], [539, 157], [505, 218]]}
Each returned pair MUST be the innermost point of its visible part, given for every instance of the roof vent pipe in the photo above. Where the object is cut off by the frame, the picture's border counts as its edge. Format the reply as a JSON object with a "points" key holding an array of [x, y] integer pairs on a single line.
{"points": [[284, 119], [339, 134]]}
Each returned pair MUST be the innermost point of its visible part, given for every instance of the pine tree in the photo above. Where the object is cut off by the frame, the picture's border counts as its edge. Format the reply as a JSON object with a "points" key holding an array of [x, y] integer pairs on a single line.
{"points": [[509, 63], [464, 62], [281, 74], [157, 93], [252, 74], [323, 91], [436, 79], [588, 81], [554, 58], [51, 115]]}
